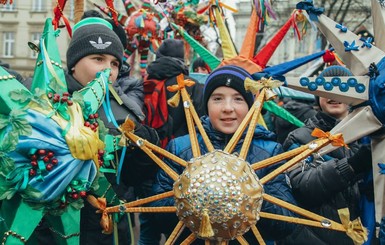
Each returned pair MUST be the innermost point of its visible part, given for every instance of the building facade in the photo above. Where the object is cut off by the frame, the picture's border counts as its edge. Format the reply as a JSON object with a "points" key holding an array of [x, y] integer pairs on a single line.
{"points": [[23, 22]]}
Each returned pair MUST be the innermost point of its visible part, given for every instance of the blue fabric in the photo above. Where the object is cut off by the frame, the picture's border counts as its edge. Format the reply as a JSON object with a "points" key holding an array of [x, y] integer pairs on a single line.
{"points": [[46, 134], [285, 67], [367, 210], [377, 92]]}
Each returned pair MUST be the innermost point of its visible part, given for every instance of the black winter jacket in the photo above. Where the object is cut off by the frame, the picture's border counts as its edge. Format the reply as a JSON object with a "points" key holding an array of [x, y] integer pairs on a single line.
{"points": [[323, 186], [299, 109], [262, 147], [168, 68], [138, 171]]}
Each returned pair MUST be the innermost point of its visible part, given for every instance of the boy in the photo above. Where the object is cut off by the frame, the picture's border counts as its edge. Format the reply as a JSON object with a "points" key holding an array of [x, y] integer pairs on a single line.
{"points": [[329, 183], [93, 48], [227, 103]]}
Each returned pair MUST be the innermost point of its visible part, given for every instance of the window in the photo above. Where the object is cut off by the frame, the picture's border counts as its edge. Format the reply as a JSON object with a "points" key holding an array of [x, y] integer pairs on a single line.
{"points": [[9, 43], [35, 38], [38, 5], [9, 7]]}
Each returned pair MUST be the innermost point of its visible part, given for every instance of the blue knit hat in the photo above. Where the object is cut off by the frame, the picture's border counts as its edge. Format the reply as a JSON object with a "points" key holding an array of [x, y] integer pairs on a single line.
{"points": [[229, 76]]}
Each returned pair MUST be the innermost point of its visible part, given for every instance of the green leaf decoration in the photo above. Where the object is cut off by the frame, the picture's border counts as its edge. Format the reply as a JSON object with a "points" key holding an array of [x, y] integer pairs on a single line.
{"points": [[78, 98], [19, 123], [31, 193], [9, 142], [4, 121], [20, 95], [38, 98], [16, 120], [78, 204], [103, 131], [55, 86], [6, 164], [7, 193]]}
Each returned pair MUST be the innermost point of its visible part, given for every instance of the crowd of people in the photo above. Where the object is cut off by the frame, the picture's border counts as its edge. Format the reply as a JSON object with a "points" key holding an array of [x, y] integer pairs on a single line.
{"points": [[321, 184]]}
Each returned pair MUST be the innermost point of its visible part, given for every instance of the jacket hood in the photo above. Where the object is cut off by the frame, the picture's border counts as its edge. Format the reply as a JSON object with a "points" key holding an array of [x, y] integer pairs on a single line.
{"points": [[166, 67]]}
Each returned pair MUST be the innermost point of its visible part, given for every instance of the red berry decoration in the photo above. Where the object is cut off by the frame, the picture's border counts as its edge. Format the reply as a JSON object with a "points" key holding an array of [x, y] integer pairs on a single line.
{"points": [[46, 159], [66, 94], [32, 172], [41, 152], [64, 99], [49, 167], [33, 157], [87, 124], [91, 116], [70, 102], [75, 195], [34, 163], [96, 115], [50, 154], [54, 161], [83, 193]]}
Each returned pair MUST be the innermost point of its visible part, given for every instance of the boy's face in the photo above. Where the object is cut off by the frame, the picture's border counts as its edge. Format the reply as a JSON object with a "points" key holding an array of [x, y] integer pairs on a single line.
{"points": [[226, 109], [86, 68], [334, 108]]}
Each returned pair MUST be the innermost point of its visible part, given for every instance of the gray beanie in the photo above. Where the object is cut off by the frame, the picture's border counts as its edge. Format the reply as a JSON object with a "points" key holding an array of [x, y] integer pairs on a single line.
{"points": [[93, 36], [333, 71], [171, 48]]}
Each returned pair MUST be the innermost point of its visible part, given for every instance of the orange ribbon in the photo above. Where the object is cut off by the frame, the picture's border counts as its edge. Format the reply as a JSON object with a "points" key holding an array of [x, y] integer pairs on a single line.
{"points": [[101, 204], [176, 87], [336, 140]]}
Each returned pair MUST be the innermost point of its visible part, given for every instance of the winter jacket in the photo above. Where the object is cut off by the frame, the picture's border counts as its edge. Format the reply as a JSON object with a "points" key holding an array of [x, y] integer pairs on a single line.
{"points": [[168, 68], [323, 186], [299, 109], [138, 169], [262, 147]]}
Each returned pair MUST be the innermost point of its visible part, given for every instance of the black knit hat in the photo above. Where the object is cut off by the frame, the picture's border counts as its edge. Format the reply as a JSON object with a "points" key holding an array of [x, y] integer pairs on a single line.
{"points": [[93, 36], [229, 76], [171, 48], [333, 71]]}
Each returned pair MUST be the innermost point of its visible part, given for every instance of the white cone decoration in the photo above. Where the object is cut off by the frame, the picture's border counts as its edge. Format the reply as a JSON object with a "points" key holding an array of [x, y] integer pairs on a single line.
{"points": [[378, 14], [356, 55], [348, 90]]}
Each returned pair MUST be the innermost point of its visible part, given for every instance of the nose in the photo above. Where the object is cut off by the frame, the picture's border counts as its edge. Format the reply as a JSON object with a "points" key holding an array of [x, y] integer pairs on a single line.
{"points": [[228, 106]]}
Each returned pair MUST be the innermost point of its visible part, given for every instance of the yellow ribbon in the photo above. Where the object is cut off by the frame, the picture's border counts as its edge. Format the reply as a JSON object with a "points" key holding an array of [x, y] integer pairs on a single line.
{"points": [[354, 228], [174, 100], [255, 86], [336, 140]]}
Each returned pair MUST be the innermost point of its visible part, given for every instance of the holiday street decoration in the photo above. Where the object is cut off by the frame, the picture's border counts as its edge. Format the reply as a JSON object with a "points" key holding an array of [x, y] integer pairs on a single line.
{"points": [[142, 28], [51, 149], [210, 222], [198, 203]]}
